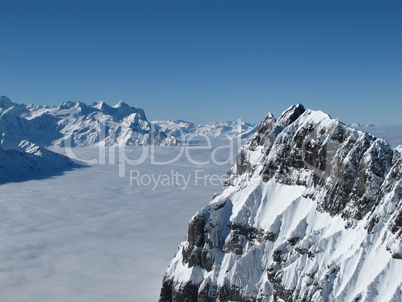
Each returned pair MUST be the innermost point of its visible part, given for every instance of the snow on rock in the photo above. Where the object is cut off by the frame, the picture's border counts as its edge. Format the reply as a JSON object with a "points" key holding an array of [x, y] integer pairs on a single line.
{"points": [[5, 104], [20, 159], [27, 160], [77, 124], [311, 211], [10, 108]]}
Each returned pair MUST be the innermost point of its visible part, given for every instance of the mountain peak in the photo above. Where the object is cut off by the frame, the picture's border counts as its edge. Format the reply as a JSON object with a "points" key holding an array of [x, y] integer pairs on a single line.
{"points": [[290, 115], [270, 128], [67, 105], [307, 199], [121, 104], [99, 105], [5, 102], [354, 125]]}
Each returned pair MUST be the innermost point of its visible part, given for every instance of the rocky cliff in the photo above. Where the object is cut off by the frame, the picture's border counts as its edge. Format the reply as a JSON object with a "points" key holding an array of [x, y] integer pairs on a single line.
{"points": [[310, 212]]}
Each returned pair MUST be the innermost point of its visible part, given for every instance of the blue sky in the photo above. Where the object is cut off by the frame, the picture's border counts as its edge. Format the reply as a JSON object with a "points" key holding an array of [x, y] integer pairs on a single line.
{"points": [[207, 60]]}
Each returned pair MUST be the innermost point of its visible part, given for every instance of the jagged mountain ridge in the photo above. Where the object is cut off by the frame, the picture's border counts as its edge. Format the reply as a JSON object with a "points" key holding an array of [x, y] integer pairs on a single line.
{"points": [[78, 125], [310, 212]]}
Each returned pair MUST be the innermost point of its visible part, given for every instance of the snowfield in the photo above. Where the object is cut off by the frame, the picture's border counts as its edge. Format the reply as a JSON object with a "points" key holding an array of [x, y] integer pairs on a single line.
{"points": [[89, 235]]}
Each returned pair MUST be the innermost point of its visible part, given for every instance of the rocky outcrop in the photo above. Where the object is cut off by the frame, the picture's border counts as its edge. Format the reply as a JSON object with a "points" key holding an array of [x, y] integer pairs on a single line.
{"points": [[311, 211]]}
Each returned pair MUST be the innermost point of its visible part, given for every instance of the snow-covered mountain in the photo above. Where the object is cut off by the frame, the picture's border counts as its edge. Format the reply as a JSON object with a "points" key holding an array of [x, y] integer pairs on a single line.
{"points": [[20, 159], [77, 124], [182, 129], [312, 211], [27, 160]]}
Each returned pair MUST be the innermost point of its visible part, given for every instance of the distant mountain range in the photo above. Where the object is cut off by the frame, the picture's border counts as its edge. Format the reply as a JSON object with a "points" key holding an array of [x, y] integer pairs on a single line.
{"points": [[26, 129], [358, 125], [184, 130], [78, 125]]}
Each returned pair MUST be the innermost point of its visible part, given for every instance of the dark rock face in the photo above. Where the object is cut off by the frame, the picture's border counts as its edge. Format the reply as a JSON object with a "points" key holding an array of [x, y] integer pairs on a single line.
{"points": [[236, 251], [345, 167], [270, 127], [188, 293], [346, 164]]}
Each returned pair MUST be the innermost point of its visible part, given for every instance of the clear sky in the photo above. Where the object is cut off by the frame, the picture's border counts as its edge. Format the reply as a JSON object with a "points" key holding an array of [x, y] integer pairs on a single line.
{"points": [[207, 60]]}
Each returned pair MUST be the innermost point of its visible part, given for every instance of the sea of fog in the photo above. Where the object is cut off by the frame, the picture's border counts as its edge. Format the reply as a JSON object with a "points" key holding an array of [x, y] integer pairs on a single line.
{"points": [[106, 232]]}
